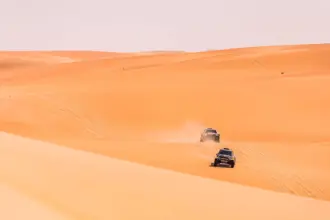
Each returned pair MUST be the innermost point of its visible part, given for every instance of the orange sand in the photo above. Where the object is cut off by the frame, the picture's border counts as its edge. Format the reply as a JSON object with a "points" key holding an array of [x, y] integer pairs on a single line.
{"points": [[150, 109]]}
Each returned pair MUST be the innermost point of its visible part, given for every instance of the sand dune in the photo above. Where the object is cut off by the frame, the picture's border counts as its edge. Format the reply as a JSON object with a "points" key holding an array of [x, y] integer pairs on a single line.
{"points": [[81, 185], [15, 206], [270, 104]]}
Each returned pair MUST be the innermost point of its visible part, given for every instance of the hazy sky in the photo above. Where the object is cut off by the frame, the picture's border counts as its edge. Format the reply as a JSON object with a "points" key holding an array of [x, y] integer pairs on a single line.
{"points": [[135, 25]]}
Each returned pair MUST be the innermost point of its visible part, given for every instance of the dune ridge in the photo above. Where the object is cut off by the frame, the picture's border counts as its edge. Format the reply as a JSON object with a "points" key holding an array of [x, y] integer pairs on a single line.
{"points": [[270, 104]]}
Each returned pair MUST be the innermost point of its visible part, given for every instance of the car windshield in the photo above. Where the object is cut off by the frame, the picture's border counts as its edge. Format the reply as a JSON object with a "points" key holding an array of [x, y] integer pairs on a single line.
{"points": [[226, 152], [211, 131]]}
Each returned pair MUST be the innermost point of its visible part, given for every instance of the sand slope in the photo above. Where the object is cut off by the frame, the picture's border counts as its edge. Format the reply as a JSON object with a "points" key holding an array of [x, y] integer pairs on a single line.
{"points": [[15, 206], [271, 105], [81, 185]]}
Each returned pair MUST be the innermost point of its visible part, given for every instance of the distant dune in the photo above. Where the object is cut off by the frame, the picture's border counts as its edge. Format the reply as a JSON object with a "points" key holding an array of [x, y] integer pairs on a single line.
{"points": [[270, 104]]}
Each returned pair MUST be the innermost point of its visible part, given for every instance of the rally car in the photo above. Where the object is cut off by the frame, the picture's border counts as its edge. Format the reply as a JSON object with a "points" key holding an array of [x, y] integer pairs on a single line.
{"points": [[225, 156], [210, 134]]}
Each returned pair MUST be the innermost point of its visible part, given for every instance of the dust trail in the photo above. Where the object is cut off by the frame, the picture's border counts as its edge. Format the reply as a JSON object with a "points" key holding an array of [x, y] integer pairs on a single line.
{"points": [[189, 132], [206, 151]]}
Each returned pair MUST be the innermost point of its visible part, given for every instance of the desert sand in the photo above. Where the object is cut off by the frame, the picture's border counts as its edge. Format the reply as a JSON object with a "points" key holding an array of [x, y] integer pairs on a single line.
{"points": [[98, 135]]}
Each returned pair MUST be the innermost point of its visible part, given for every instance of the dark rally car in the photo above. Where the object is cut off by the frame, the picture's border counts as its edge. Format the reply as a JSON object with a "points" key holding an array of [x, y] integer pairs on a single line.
{"points": [[225, 156]]}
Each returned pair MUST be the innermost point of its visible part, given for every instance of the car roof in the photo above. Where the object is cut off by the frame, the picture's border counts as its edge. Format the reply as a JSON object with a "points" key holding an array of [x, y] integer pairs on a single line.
{"points": [[208, 129], [226, 149]]}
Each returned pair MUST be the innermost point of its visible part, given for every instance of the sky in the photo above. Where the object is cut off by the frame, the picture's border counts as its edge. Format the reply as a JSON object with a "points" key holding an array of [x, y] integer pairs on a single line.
{"points": [[148, 25]]}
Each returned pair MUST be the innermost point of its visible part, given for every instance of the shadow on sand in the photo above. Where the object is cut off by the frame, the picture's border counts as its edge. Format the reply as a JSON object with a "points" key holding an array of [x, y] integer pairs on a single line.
{"points": [[219, 165]]}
